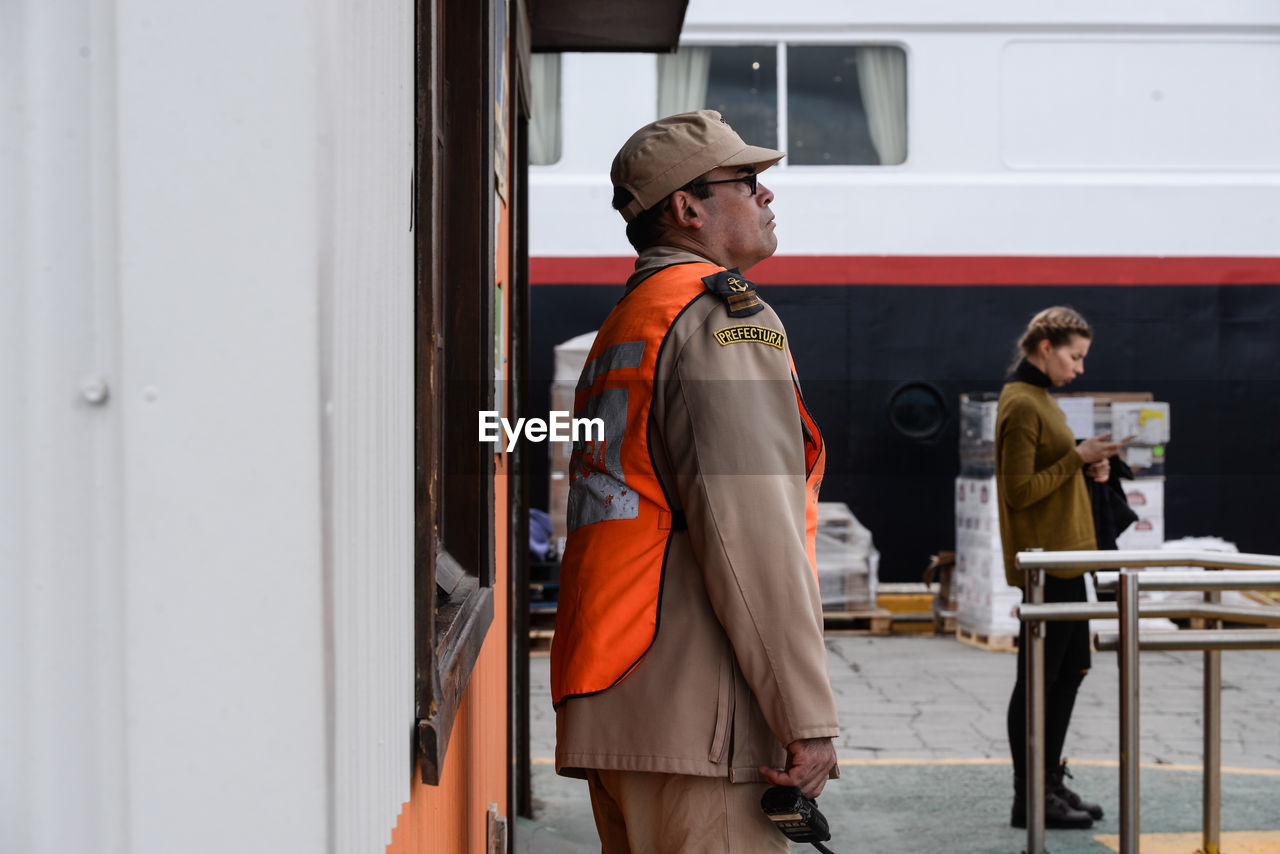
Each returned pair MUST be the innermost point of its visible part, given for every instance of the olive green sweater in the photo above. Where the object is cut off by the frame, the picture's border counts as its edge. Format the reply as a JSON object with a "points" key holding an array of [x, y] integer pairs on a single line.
{"points": [[1044, 500]]}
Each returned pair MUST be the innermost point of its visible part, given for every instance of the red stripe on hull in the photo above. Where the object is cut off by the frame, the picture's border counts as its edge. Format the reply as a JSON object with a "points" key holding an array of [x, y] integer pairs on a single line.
{"points": [[945, 270]]}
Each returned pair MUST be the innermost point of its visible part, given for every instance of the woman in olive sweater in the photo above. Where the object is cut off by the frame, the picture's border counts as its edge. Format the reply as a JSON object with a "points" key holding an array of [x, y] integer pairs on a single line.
{"points": [[1044, 504]]}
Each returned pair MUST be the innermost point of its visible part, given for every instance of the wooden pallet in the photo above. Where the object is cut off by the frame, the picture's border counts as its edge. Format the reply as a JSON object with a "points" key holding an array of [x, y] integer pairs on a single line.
{"points": [[540, 641], [905, 598], [991, 643], [911, 624], [944, 623], [874, 621], [910, 606], [542, 626]]}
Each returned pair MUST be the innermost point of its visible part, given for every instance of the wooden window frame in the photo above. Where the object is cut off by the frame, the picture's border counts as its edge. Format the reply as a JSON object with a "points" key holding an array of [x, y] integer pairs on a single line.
{"points": [[519, 783], [455, 262]]}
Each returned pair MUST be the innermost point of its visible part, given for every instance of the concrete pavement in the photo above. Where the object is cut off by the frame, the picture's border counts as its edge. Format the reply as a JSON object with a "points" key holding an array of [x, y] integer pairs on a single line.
{"points": [[925, 764]]}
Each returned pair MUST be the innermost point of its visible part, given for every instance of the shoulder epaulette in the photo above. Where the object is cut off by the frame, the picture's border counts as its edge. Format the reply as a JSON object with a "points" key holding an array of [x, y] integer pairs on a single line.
{"points": [[738, 293]]}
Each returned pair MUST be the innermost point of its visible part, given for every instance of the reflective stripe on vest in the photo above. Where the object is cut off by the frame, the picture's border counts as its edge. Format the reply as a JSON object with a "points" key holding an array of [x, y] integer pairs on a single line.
{"points": [[619, 517]]}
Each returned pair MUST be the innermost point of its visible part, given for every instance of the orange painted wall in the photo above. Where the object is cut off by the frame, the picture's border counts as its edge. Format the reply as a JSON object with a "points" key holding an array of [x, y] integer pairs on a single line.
{"points": [[452, 818]]}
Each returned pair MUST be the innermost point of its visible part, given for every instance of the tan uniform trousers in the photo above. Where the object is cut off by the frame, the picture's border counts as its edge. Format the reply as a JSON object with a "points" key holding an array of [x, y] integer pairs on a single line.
{"points": [[641, 812]]}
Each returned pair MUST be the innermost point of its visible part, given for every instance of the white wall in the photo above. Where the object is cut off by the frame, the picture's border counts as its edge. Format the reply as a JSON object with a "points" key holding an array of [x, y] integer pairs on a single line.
{"points": [[205, 619], [604, 98], [367, 387], [1170, 105], [63, 715], [218, 402]]}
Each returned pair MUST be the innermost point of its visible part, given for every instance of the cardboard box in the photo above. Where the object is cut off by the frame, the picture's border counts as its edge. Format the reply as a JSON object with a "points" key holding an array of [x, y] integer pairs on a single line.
{"points": [[1146, 533], [1080, 414], [1145, 460], [978, 434], [1145, 495], [984, 600], [978, 416], [1146, 421]]}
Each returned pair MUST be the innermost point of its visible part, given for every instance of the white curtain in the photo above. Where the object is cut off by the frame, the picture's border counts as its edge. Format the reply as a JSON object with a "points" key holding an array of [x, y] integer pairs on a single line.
{"points": [[882, 81], [544, 124], [682, 80]]}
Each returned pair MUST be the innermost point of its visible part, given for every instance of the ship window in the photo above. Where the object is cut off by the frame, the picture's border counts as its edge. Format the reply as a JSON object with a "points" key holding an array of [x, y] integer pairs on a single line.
{"points": [[841, 105], [740, 82], [545, 125], [917, 410]]}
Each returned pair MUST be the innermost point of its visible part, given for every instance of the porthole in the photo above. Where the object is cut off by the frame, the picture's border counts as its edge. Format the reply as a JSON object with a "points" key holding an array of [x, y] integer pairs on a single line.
{"points": [[917, 410]]}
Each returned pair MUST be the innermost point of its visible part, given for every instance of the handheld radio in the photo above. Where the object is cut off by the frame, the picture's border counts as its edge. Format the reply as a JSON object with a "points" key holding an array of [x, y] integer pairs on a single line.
{"points": [[796, 816]]}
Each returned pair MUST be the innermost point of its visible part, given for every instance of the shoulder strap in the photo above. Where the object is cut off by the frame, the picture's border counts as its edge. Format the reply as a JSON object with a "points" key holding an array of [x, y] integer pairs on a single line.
{"points": [[738, 293]]}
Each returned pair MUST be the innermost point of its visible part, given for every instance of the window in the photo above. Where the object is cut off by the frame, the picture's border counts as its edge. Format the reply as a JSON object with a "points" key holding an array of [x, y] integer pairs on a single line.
{"points": [[740, 82], [544, 122], [454, 258], [829, 105], [917, 410]]}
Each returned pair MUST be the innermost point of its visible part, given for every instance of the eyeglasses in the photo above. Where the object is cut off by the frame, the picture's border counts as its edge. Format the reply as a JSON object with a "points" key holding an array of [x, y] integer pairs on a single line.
{"points": [[749, 180]]}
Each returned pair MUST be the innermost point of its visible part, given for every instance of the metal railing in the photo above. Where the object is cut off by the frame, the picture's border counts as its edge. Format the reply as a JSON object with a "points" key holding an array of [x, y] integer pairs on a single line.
{"points": [[1232, 572]]}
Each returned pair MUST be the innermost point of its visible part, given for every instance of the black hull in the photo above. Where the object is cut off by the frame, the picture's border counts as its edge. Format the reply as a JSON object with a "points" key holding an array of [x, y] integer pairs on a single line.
{"points": [[1211, 351]]}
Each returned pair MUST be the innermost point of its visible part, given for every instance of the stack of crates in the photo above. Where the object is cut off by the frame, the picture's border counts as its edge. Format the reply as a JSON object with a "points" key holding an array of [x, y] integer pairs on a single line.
{"points": [[985, 602], [570, 357], [847, 560]]}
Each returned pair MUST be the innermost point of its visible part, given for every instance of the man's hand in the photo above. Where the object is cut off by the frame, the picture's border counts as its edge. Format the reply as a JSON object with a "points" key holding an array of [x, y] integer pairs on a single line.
{"points": [[809, 761]]}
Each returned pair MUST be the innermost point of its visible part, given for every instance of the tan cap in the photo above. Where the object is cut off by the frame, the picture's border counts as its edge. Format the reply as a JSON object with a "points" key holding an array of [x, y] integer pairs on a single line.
{"points": [[663, 156]]}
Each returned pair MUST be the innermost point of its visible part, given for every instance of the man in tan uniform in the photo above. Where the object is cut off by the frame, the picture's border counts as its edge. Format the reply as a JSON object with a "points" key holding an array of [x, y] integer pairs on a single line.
{"points": [[688, 667]]}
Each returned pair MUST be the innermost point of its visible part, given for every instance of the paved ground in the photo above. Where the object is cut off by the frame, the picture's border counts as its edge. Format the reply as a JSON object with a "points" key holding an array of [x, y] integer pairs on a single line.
{"points": [[925, 765]]}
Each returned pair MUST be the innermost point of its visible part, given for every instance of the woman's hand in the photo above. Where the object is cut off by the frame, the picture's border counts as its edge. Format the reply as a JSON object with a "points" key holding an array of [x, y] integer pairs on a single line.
{"points": [[1099, 448], [1099, 471]]}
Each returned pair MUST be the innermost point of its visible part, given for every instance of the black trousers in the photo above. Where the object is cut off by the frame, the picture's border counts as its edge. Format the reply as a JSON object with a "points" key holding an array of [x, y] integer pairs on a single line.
{"points": [[1066, 660]]}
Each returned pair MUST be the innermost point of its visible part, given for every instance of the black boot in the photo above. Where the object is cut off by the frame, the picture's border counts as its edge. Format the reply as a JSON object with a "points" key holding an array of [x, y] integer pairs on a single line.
{"points": [[1058, 786], [1058, 814]]}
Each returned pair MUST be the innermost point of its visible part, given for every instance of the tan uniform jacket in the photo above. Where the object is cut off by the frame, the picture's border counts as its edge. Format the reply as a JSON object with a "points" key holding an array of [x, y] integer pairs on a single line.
{"points": [[738, 668], [1044, 500]]}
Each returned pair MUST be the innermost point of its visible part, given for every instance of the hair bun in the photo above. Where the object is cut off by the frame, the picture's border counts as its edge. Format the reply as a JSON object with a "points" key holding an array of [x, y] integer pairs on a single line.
{"points": [[1058, 324]]}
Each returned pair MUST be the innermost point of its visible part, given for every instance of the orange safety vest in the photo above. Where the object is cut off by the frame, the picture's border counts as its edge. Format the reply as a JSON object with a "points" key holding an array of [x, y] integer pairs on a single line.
{"points": [[620, 517]]}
